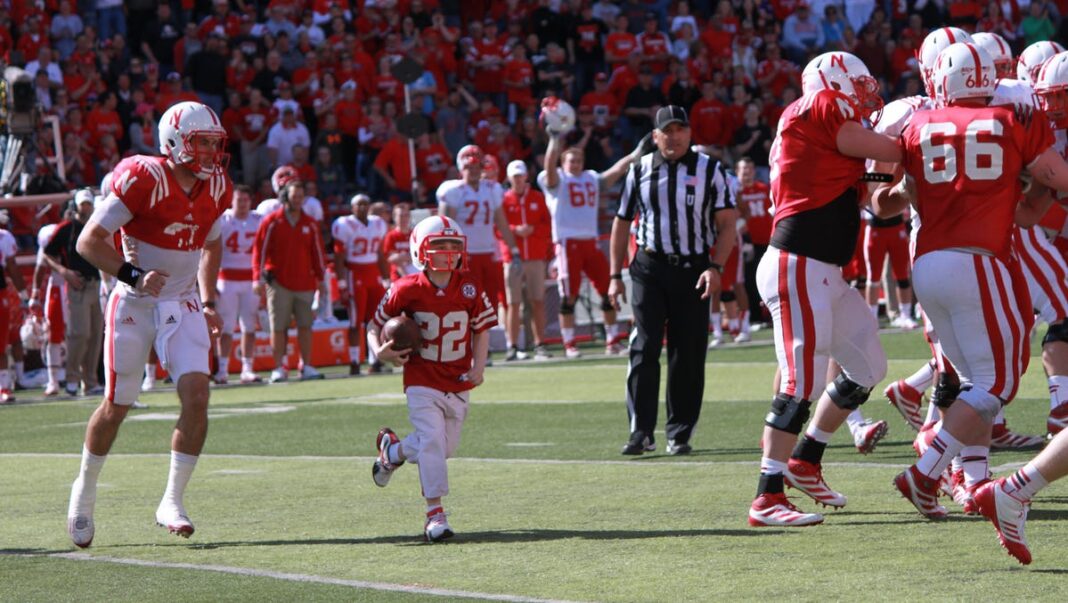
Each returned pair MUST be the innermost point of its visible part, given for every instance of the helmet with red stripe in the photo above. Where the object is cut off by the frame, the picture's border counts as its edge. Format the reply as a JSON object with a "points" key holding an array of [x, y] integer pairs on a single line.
{"points": [[1032, 57], [963, 71], [425, 254], [1051, 87], [846, 73], [935, 42], [999, 50], [191, 135], [282, 176], [469, 156]]}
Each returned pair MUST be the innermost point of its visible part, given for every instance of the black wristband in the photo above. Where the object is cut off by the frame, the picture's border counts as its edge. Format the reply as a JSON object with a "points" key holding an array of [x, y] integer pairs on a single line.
{"points": [[209, 304], [616, 277], [716, 267], [129, 274]]}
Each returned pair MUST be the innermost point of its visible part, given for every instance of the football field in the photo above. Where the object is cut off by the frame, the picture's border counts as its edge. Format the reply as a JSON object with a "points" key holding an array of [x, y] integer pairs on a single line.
{"points": [[543, 505]]}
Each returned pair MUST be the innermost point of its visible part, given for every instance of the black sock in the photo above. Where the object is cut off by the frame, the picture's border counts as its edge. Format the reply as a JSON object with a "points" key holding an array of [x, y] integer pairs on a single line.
{"points": [[770, 484], [809, 450]]}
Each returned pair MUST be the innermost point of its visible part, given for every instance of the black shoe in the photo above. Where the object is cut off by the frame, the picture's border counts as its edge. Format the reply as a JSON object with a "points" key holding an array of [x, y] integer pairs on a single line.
{"points": [[513, 354], [354, 369], [678, 448], [376, 368], [636, 447]]}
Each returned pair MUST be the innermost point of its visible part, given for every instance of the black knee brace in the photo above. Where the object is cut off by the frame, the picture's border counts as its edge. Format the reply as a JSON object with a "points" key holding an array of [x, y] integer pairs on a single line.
{"points": [[1057, 331], [788, 414], [846, 393], [728, 296], [946, 391], [566, 308], [904, 283], [606, 305]]}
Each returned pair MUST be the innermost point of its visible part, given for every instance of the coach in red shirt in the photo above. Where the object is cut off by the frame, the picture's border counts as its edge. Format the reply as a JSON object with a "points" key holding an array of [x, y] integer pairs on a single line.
{"points": [[529, 220], [287, 259]]}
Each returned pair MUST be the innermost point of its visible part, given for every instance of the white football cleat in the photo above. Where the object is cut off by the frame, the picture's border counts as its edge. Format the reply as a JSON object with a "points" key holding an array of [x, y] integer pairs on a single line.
{"points": [[308, 373], [279, 375], [716, 341], [250, 377], [147, 385], [907, 400], [52, 389], [173, 518], [382, 470], [571, 352], [743, 337], [81, 530], [868, 435], [437, 526], [777, 510]]}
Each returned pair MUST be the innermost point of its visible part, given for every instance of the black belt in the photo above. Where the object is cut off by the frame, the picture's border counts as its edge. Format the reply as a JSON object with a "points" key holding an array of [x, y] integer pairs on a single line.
{"points": [[674, 259]]}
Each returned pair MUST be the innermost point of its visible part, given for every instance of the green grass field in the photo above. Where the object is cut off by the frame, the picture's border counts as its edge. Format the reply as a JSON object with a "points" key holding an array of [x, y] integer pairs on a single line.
{"points": [[544, 506]]}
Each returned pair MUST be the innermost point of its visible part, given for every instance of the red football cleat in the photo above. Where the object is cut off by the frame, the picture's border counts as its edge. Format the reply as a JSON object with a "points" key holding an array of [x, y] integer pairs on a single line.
{"points": [[921, 491], [777, 510], [808, 478], [1009, 516], [907, 400]]}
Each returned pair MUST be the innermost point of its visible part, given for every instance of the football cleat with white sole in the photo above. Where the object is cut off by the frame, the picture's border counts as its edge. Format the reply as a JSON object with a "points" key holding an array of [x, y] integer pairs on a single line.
{"points": [[921, 491], [777, 510], [147, 385], [437, 526], [221, 379], [250, 377], [571, 352], [1057, 420], [81, 530], [1009, 516], [904, 322], [308, 373], [175, 520], [383, 469], [716, 341], [1003, 439], [869, 434], [50, 390], [6, 396], [743, 337], [907, 400], [808, 478], [279, 375]]}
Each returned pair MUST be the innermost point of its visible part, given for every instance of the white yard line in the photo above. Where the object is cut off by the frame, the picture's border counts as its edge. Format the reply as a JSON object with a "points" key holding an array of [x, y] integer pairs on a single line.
{"points": [[307, 578]]}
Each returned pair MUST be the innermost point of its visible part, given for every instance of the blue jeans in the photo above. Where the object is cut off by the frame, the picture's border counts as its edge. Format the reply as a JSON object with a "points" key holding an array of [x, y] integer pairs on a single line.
{"points": [[111, 21]]}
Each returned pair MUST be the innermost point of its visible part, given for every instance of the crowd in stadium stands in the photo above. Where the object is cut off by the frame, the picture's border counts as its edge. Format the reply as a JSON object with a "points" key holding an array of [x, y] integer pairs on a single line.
{"points": [[309, 83]]}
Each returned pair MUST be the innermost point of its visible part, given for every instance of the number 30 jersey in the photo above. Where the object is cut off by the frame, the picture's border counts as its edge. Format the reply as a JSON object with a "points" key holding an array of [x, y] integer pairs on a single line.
{"points": [[447, 318], [966, 162], [474, 210], [573, 204], [237, 238]]}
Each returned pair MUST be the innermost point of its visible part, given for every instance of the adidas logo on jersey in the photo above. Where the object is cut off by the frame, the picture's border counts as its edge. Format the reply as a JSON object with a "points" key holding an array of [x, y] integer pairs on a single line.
{"points": [[128, 321], [171, 320]]}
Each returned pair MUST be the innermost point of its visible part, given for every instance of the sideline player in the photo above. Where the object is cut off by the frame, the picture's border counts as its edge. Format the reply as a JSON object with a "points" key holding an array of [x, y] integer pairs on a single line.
{"points": [[9, 307], [361, 267], [53, 307], [169, 210], [454, 316], [573, 196], [817, 315], [237, 301]]}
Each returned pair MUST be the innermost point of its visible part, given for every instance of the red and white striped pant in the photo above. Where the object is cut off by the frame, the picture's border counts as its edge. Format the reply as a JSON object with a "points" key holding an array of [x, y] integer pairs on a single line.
{"points": [[1045, 271], [817, 316], [980, 307]]}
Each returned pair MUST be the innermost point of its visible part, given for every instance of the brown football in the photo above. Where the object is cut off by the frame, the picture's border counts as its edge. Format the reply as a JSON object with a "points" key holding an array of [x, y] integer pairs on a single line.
{"points": [[403, 331]]}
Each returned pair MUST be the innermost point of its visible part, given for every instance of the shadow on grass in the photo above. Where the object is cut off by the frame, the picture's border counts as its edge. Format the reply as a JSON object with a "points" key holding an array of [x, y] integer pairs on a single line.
{"points": [[32, 552], [490, 537], [1047, 514]]}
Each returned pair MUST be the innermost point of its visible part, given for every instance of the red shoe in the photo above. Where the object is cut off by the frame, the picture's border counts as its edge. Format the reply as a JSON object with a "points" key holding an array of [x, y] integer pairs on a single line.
{"points": [[6, 396], [923, 438], [907, 400], [1003, 439], [921, 491], [1009, 516], [808, 478], [777, 510], [1058, 420]]}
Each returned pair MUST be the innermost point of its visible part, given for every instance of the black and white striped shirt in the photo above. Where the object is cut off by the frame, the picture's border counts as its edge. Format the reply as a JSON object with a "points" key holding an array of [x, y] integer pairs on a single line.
{"points": [[676, 202]]}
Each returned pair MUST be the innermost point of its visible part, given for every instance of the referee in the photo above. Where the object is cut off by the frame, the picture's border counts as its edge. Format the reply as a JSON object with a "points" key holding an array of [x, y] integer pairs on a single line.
{"points": [[683, 204]]}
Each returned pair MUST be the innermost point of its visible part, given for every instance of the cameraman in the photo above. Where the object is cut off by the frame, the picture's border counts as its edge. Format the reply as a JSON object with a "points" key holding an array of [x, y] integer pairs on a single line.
{"points": [[288, 259]]}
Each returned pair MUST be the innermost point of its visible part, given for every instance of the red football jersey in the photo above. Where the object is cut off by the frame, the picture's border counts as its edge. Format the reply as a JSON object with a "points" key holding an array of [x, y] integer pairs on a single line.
{"points": [[396, 241], [807, 170], [966, 162], [447, 318], [758, 206], [163, 214]]}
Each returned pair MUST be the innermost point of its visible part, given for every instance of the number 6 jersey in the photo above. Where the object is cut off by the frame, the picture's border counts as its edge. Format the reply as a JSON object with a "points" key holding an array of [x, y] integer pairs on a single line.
{"points": [[573, 203], [474, 211], [447, 318]]}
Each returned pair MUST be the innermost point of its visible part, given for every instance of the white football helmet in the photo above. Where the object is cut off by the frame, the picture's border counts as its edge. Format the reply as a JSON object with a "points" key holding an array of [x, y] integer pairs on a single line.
{"points": [[999, 49], [437, 228], [846, 73], [33, 332], [963, 71], [557, 116], [469, 156], [281, 177], [935, 42], [1051, 87], [1032, 57], [179, 129]]}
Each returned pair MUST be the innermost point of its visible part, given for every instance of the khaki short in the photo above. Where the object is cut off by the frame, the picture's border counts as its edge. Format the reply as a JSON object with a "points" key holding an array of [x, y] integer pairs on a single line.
{"points": [[283, 304], [531, 272]]}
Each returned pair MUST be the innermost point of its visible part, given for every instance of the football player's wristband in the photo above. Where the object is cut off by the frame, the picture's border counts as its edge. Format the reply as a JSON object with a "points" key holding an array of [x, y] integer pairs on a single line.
{"points": [[129, 274], [616, 277], [716, 267]]}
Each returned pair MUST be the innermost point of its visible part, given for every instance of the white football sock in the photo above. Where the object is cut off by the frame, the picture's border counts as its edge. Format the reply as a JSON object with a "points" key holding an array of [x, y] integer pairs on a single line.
{"points": [[354, 354], [568, 335], [83, 492], [20, 370], [939, 454], [771, 466], [1025, 483], [1000, 418], [5, 379], [745, 321], [933, 415], [874, 310], [246, 365], [717, 323], [975, 461], [817, 434], [182, 466], [906, 310], [150, 370], [1058, 391], [855, 420], [923, 378]]}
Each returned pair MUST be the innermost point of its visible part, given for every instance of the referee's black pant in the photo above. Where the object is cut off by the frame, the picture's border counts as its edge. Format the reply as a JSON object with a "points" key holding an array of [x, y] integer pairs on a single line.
{"points": [[664, 292]]}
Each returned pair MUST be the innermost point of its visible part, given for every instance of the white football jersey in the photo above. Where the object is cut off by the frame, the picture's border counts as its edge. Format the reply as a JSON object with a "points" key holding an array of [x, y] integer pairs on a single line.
{"points": [[1013, 92], [574, 204], [268, 207], [362, 242], [43, 237], [237, 238], [474, 210]]}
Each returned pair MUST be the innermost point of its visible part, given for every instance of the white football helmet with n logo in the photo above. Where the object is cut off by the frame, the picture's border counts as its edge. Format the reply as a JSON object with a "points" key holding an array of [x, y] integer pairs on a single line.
{"points": [[1032, 57], [437, 228], [1051, 88], [963, 71], [933, 45], [846, 73], [179, 129], [999, 50]]}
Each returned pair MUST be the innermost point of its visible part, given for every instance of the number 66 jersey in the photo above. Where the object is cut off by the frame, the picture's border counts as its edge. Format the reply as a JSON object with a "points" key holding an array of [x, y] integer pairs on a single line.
{"points": [[447, 318], [966, 161]]}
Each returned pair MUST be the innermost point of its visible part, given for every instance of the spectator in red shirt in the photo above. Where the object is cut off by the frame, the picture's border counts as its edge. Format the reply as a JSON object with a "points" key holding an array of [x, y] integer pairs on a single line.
{"points": [[655, 47], [518, 79], [393, 165], [708, 116], [172, 93], [490, 56], [603, 104], [754, 206], [620, 44], [395, 245], [103, 120], [624, 78], [432, 162], [288, 260], [775, 73], [531, 225], [255, 123], [221, 21]]}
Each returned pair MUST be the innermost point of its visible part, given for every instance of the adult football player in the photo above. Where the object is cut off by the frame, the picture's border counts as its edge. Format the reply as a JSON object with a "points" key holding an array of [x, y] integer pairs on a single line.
{"points": [[237, 302], [361, 267]]}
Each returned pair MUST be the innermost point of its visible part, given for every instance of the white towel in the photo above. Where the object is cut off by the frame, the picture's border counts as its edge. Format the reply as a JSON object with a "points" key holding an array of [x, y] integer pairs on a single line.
{"points": [[168, 317]]}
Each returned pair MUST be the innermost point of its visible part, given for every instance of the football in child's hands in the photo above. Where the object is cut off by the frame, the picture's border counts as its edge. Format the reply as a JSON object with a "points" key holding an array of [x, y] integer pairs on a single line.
{"points": [[403, 331]]}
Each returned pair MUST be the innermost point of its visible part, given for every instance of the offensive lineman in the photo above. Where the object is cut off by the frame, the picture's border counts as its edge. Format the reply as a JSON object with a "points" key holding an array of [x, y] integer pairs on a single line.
{"points": [[169, 210]]}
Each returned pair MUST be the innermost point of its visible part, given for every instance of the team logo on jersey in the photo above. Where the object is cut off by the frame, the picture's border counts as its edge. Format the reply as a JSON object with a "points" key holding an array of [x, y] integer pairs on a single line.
{"points": [[468, 291], [125, 182]]}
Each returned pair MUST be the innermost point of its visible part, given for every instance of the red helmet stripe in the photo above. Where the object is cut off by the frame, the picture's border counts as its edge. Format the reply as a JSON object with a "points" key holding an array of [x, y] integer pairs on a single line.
{"points": [[949, 34]]}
